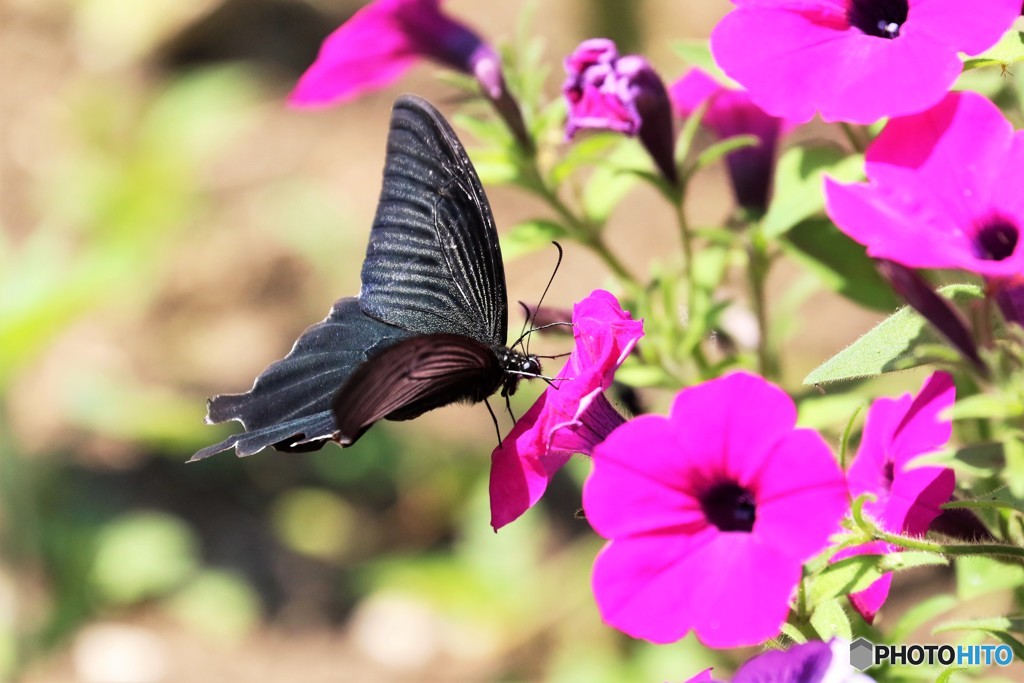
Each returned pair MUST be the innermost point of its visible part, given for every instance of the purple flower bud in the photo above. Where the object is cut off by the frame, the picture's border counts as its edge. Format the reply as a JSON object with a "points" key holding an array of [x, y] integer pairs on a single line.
{"points": [[731, 112], [936, 310], [1009, 294], [620, 94]]}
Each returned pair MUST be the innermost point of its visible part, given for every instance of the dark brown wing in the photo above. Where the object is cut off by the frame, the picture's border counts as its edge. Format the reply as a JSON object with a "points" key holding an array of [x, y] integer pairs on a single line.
{"points": [[289, 405], [411, 377]]}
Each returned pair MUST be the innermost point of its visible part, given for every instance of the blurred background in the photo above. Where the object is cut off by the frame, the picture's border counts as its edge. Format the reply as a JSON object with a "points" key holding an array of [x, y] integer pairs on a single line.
{"points": [[168, 228]]}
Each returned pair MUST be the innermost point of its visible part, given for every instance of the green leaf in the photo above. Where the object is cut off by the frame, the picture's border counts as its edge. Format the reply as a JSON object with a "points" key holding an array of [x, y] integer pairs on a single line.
{"points": [[1000, 499], [920, 614], [854, 574], [718, 150], [947, 675], [589, 150], [830, 620], [641, 376], [815, 411], [530, 236], [684, 143], [840, 263], [608, 184], [998, 627], [1001, 623], [1009, 50], [977, 575], [846, 576], [981, 456], [893, 344], [491, 131], [910, 559], [1013, 447], [494, 166], [793, 633], [799, 190], [985, 407]]}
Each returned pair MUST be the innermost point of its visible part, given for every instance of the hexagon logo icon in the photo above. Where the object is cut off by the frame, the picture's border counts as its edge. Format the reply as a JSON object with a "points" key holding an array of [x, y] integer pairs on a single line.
{"points": [[862, 654]]}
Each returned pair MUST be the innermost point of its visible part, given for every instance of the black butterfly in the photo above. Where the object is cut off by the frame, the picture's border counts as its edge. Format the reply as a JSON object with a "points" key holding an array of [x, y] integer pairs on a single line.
{"points": [[428, 327]]}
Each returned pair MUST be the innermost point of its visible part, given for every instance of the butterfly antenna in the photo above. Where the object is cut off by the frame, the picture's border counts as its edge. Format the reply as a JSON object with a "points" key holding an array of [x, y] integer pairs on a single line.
{"points": [[525, 333], [494, 419]]}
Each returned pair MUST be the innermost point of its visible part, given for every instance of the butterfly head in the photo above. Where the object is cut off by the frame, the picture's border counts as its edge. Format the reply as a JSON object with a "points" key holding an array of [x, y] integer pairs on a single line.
{"points": [[515, 366]]}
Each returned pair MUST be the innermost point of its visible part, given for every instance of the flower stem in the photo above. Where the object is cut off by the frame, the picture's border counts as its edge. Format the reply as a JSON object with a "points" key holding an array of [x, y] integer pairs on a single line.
{"points": [[959, 549], [758, 265], [687, 240], [583, 230]]}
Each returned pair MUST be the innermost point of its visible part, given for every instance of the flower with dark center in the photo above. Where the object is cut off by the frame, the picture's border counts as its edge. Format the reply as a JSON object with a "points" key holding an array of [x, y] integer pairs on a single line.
{"points": [[710, 514], [855, 61], [943, 191], [880, 18]]}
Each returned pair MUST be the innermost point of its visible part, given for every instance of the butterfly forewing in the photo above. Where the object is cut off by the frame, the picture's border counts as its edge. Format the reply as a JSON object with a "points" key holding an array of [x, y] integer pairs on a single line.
{"points": [[414, 376], [291, 399], [433, 263]]}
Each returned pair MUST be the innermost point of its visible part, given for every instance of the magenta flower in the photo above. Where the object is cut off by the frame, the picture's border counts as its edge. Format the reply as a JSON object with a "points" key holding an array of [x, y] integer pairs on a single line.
{"points": [[811, 662], [943, 191], [620, 94], [730, 112], [853, 60], [571, 416], [908, 498], [381, 42], [711, 513], [385, 39]]}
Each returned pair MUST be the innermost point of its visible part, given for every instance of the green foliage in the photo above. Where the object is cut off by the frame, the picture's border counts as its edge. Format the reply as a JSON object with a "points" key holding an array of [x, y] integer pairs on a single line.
{"points": [[1008, 51], [799, 183], [142, 555], [840, 263], [903, 340]]}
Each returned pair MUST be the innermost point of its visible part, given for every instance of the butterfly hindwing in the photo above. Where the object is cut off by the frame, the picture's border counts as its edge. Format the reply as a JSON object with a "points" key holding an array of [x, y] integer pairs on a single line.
{"points": [[433, 263], [290, 402], [411, 377]]}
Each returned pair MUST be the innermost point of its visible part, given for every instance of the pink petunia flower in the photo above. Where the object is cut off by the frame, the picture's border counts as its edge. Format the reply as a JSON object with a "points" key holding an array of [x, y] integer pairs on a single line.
{"points": [[571, 416], [908, 498], [943, 191], [710, 513], [731, 112], [381, 42], [812, 661], [620, 94], [853, 60], [384, 39]]}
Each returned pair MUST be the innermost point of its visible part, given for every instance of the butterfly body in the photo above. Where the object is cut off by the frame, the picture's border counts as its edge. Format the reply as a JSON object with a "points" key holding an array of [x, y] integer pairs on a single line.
{"points": [[429, 325]]}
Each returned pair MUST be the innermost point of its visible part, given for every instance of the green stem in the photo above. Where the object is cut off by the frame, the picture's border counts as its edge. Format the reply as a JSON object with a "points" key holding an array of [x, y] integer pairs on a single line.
{"points": [[961, 549], [585, 231], [758, 265], [686, 238]]}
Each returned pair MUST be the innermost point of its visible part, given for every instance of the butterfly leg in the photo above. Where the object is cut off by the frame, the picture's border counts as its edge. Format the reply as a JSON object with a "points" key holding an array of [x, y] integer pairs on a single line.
{"points": [[494, 419]]}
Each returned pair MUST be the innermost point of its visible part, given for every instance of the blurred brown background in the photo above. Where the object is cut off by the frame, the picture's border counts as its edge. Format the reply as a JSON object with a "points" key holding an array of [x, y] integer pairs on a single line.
{"points": [[168, 228]]}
